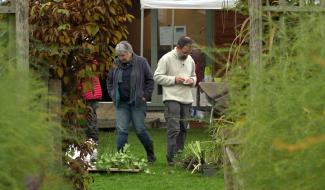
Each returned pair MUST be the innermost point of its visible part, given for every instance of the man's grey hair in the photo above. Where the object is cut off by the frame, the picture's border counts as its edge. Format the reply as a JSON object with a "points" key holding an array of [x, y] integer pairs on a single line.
{"points": [[123, 46]]}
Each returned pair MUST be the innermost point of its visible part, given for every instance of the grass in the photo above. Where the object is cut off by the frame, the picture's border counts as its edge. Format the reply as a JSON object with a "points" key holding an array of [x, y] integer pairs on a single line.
{"points": [[161, 176]]}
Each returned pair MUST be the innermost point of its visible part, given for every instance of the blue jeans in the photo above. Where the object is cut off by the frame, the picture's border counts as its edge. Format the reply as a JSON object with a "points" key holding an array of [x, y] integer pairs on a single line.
{"points": [[125, 113]]}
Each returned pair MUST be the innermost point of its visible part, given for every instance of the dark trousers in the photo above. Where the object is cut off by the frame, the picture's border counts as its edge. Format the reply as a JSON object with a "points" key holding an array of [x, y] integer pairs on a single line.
{"points": [[177, 115], [92, 129]]}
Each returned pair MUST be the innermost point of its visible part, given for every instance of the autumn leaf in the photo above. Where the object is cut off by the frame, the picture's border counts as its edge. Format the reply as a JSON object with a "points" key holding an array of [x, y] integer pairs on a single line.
{"points": [[118, 34], [112, 10], [63, 11], [64, 27], [60, 72], [101, 10], [66, 79], [92, 29]]}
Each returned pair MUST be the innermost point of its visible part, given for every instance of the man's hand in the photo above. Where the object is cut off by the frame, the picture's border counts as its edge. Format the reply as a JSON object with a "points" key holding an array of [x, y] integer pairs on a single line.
{"points": [[188, 82], [179, 80], [144, 99]]}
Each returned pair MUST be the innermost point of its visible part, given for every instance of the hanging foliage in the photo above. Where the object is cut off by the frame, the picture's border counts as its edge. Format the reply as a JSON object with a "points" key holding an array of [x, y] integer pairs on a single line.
{"points": [[67, 33], [66, 37]]}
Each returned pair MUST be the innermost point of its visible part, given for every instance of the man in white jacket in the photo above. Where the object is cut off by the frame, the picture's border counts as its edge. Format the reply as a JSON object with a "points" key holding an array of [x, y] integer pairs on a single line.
{"points": [[176, 73]]}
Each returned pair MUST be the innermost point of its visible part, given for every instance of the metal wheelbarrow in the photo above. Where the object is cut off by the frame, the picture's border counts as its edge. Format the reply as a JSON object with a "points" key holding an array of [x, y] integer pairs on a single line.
{"points": [[217, 96]]}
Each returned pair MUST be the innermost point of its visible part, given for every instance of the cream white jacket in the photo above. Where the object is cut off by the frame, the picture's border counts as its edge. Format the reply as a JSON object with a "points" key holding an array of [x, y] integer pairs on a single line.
{"points": [[169, 66]]}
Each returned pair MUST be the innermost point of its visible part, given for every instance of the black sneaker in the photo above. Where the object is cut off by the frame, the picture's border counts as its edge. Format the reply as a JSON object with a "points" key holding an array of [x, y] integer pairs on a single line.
{"points": [[151, 159]]}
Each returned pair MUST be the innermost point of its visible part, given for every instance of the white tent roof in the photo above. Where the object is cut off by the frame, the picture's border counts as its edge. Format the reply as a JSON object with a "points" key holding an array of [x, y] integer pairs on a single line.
{"points": [[187, 4]]}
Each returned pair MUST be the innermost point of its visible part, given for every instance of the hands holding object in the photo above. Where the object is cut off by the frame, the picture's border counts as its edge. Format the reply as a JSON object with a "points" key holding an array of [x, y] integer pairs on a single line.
{"points": [[184, 80]]}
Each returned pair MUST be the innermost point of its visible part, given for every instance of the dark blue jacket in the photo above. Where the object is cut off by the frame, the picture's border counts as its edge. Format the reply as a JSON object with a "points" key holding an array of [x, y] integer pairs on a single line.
{"points": [[141, 80]]}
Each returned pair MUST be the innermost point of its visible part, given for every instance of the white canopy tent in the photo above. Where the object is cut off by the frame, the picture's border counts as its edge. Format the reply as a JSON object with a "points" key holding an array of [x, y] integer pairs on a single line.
{"points": [[186, 4], [181, 4]]}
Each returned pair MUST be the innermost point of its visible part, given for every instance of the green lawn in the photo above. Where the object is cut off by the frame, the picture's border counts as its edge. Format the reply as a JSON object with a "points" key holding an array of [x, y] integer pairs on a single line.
{"points": [[161, 176]]}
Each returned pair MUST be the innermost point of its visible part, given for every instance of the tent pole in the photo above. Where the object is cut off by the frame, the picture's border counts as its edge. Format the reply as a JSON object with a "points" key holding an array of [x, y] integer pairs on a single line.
{"points": [[142, 25], [173, 29]]}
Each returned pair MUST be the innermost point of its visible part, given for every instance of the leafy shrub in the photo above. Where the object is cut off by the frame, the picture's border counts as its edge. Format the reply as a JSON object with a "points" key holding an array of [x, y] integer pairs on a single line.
{"points": [[122, 160]]}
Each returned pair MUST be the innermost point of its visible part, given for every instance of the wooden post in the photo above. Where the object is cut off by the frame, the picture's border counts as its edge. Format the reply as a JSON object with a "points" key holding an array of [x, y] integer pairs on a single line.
{"points": [[255, 16], [55, 96], [12, 38], [228, 175], [22, 36], [255, 44], [233, 160]]}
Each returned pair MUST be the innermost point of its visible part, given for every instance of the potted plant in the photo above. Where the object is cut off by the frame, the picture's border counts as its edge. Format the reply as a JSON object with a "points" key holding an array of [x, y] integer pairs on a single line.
{"points": [[199, 157], [208, 169]]}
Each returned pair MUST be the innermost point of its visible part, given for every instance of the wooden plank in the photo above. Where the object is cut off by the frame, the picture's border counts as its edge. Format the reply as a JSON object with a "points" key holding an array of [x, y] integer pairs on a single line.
{"points": [[293, 9], [228, 177], [94, 169], [7, 9], [110, 123], [106, 123], [232, 159], [22, 36], [153, 122], [232, 142], [124, 170]]}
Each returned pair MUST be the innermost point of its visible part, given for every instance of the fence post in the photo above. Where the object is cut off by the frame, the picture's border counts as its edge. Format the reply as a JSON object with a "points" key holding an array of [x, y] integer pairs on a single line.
{"points": [[12, 35], [255, 44], [22, 36], [55, 97], [228, 175]]}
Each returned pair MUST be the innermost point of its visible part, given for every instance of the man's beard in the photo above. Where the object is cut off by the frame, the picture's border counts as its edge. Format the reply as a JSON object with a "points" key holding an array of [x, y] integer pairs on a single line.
{"points": [[182, 57]]}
